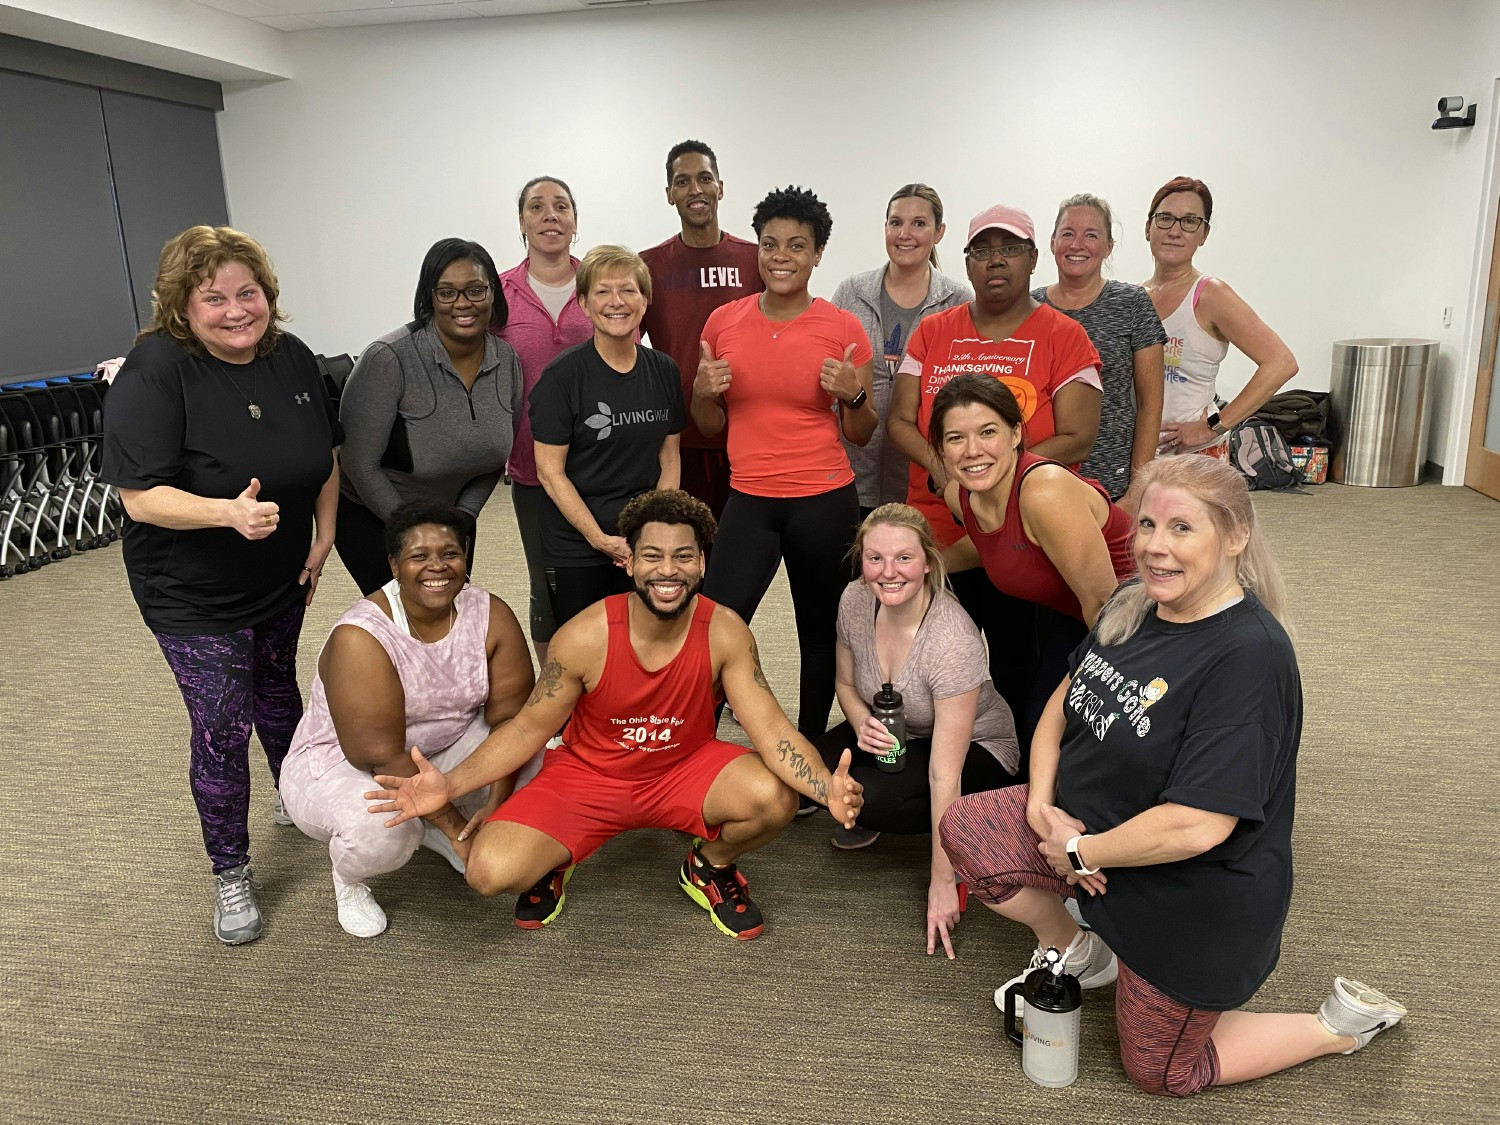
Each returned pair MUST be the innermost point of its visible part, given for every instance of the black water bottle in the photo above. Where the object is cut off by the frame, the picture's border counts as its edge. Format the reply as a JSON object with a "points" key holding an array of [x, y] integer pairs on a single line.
{"points": [[890, 712]]}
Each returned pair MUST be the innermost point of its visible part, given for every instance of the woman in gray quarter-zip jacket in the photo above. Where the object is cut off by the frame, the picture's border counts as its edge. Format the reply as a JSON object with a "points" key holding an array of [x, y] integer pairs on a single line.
{"points": [[889, 302]]}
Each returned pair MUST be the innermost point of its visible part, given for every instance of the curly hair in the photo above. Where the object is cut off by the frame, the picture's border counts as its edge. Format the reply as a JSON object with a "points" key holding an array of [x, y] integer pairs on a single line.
{"points": [[671, 506], [799, 205], [194, 257], [418, 513]]}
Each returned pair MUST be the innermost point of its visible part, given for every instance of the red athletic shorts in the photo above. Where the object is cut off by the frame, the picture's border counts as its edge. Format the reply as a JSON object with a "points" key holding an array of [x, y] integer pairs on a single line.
{"points": [[581, 808]]}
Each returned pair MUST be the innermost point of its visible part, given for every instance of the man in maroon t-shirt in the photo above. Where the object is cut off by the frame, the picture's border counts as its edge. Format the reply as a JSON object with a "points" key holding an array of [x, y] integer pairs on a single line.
{"points": [[692, 274]]}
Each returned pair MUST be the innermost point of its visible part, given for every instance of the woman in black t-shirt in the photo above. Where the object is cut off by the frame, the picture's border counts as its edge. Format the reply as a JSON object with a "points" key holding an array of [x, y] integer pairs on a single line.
{"points": [[606, 415], [1163, 780], [220, 437]]}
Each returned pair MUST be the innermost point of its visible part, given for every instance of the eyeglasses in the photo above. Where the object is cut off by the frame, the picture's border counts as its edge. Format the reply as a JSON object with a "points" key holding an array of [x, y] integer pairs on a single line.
{"points": [[1163, 220], [1005, 250], [446, 294]]}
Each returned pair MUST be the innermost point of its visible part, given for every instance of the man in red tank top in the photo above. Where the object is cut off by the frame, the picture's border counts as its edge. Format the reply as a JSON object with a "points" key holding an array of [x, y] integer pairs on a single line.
{"points": [[636, 677]]}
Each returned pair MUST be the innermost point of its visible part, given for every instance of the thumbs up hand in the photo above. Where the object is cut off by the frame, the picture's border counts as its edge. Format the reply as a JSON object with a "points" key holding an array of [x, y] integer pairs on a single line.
{"points": [[251, 517], [713, 374], [839, 378]]}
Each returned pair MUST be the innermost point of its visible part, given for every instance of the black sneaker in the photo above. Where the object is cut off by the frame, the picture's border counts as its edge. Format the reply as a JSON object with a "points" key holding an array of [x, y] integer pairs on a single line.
{"points": [[724, 893], [544, 902]]}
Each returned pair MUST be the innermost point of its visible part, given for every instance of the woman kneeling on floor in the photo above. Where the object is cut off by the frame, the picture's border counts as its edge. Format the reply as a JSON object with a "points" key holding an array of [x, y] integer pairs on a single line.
{"points": [[427, 660], [898, 624], [1163, 779]]}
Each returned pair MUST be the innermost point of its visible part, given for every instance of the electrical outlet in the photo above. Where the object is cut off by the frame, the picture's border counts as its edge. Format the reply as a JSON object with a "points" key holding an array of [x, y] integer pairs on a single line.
{"points": [[1447, 316]]}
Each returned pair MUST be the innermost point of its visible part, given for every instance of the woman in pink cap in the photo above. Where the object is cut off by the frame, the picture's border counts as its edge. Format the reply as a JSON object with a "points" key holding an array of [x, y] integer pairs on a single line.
{"points": [[1052, 369]]}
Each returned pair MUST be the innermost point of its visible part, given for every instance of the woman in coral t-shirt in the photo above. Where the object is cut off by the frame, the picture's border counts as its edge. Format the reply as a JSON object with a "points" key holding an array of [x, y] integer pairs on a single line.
{"points": [[788, 373]]}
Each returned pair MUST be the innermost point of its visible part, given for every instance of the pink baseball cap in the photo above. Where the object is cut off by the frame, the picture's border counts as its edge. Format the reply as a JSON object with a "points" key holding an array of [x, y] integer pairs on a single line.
{"points": [[1001, 217]]}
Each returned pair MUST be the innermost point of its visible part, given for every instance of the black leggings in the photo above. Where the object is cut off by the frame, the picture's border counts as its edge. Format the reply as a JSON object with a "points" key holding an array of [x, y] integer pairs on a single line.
{"points": [[902, 802], [575, 588], [813, 534], [359, 538]]}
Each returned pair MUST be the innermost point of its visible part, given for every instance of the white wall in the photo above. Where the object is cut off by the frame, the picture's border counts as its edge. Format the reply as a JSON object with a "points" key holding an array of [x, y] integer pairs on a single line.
{"points": [[1339, 212]]}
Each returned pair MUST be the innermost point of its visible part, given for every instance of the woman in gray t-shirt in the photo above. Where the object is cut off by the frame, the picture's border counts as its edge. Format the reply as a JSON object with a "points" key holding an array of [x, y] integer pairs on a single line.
{"points": [[899, 625], [1123, 326]]}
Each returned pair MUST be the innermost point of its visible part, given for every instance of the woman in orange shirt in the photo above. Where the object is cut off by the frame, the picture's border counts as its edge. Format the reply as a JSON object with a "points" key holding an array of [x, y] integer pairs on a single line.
{"points": [[791, 373]]}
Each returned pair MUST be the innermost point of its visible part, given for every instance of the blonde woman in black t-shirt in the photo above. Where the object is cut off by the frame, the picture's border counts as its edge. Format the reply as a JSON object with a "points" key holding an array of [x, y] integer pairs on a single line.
{"points": [[1163, 782], [220, 437]]}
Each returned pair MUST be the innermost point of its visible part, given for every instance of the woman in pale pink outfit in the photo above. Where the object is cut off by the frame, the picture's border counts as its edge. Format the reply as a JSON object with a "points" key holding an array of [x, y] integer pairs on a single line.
{"points": [[428, 661]]}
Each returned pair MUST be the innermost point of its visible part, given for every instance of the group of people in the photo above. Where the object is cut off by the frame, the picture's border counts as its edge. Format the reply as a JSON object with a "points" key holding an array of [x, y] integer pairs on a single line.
{"points": [[937, 464]]}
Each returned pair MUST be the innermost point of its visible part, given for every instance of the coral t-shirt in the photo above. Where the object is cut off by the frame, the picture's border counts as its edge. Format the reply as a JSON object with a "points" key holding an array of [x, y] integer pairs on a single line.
{"points": [[783, 426], [1047, 351]]}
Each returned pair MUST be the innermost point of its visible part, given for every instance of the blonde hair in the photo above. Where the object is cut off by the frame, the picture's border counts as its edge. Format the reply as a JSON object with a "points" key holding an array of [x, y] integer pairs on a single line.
{"points": [[1221, 489], [1085, 199], [192, 258], [608, 258], [928, 196], [903, 515]]}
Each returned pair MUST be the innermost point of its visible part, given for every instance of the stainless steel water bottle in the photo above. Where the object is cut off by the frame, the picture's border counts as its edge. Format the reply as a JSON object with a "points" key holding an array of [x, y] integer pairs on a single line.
{"points": [[890, 712], [1049, 1034]]}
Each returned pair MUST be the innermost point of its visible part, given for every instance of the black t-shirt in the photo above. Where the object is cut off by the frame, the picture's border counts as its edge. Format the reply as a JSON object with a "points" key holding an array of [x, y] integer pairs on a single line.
{"points": [[1206, 714], [613, 426], [173, 418]]}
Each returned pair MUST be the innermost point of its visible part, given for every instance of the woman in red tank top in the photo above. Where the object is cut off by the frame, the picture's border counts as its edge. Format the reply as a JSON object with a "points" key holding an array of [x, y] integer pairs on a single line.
{"points": [[1041, 533]]}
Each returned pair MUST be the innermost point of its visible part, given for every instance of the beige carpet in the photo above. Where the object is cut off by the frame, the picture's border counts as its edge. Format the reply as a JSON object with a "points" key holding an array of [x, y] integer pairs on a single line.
{"points": [[119, 1006]]}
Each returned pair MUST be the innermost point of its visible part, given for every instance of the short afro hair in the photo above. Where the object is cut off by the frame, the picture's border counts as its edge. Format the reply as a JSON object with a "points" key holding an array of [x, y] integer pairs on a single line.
{"points": [[419, 512], [672, 506], [799, 205], [682, 148]]}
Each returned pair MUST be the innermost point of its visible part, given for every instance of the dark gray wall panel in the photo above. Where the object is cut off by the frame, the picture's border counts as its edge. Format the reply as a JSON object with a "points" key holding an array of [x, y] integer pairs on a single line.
{"points": [[64, 300], [167, 178]]}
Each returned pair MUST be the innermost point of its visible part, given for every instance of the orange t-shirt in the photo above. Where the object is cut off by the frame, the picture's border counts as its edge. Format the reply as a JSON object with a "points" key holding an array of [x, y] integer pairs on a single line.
{"points": [[783, 427], [1043, 354]]}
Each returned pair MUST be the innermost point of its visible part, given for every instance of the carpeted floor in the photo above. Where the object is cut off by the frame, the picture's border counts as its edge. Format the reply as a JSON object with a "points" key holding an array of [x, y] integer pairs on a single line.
{"points": [[120, 1007]]}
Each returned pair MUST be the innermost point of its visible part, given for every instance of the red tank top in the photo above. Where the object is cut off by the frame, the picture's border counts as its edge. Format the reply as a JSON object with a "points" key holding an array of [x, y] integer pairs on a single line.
{"points": [[1018, 567], [637, 724]]}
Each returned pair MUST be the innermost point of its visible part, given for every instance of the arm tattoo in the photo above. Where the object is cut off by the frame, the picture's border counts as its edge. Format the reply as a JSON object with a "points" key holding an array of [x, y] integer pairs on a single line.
{"points": [[760, 676], [547, 683], [802, 769]]}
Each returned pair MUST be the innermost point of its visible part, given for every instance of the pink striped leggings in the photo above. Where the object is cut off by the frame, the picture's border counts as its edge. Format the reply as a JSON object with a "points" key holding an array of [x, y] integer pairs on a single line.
{"points": [[1166, 1046]]}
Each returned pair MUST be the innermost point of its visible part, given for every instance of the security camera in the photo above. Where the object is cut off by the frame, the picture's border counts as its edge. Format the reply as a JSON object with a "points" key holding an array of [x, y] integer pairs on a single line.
{"points": [[1448, 118]]}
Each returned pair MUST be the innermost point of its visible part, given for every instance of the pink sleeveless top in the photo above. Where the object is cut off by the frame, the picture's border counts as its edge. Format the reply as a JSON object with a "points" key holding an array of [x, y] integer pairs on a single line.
{"points": [[446, 683]]}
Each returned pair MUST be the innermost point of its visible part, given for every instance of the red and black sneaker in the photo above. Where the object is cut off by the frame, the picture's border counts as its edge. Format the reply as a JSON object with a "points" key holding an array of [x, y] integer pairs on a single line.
{"points": [[543, 902], [724, 893]]}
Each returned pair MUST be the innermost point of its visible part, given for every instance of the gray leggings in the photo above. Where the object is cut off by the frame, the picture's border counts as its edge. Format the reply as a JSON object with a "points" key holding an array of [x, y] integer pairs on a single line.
{"points": [[528, 500]]}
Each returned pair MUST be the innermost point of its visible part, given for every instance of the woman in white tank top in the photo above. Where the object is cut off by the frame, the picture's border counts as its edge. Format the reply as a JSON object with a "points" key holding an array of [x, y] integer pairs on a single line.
{"points": [[1202, 317]]}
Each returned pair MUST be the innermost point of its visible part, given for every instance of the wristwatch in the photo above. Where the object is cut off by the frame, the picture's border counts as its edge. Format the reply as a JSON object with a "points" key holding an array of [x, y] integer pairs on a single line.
{"points": [[858, 400], [1215, 425], [1076, 860]]}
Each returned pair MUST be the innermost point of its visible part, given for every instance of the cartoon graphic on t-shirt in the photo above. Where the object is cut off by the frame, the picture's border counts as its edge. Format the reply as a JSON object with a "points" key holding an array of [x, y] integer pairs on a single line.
{"points": [[1152, 692]]}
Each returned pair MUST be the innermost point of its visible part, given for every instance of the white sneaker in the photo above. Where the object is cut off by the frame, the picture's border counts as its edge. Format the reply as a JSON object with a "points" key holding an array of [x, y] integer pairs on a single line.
{"points": [[436, 840], [359, 913], [1087, 958], [1359, 1011]]}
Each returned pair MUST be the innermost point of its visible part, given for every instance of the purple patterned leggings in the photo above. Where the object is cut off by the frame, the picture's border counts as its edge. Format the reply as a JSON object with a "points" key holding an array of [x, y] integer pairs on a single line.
{"points": [[229, 681]]}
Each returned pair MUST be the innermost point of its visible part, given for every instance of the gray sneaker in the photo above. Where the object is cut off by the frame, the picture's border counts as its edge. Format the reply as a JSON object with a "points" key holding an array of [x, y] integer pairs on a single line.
{"points": [[278, 813], [1359, 1011], [1088, 959], [236, 914]]}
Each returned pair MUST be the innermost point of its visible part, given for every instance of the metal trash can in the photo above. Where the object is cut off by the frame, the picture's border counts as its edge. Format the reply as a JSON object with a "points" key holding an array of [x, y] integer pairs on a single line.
{"points": [[1380, 400]]}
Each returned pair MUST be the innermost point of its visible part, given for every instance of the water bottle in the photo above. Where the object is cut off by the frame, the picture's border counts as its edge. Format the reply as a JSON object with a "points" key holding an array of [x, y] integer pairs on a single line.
{"points": [[1049, 1035], [890, 712]]}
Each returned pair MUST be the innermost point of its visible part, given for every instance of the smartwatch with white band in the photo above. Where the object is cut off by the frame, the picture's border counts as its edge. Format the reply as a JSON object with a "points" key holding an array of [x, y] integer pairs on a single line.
{"points": [[1076, 860]]}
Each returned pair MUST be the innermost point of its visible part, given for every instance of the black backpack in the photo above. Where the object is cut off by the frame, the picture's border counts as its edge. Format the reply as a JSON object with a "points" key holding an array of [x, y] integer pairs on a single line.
{"points": [[1263, 456]]}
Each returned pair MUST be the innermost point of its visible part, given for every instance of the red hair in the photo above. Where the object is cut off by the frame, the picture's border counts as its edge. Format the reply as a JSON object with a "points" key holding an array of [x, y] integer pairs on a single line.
{"points": [[1184, 183]]}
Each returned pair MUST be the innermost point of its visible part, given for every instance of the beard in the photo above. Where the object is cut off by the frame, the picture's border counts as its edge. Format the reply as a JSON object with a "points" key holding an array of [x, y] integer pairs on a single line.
{"points": [[690, 591]]}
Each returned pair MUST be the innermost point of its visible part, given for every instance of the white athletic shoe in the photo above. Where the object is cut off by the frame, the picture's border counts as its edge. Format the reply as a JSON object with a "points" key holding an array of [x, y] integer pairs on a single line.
{"points": [[359, 913], [1087, 958], [436, 840], [1359, 1011]]}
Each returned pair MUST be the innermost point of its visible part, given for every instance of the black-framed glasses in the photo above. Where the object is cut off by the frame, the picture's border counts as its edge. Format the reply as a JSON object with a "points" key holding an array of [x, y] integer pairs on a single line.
{"points": [[446, 294], [1005, 250], [1163, 220]]}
